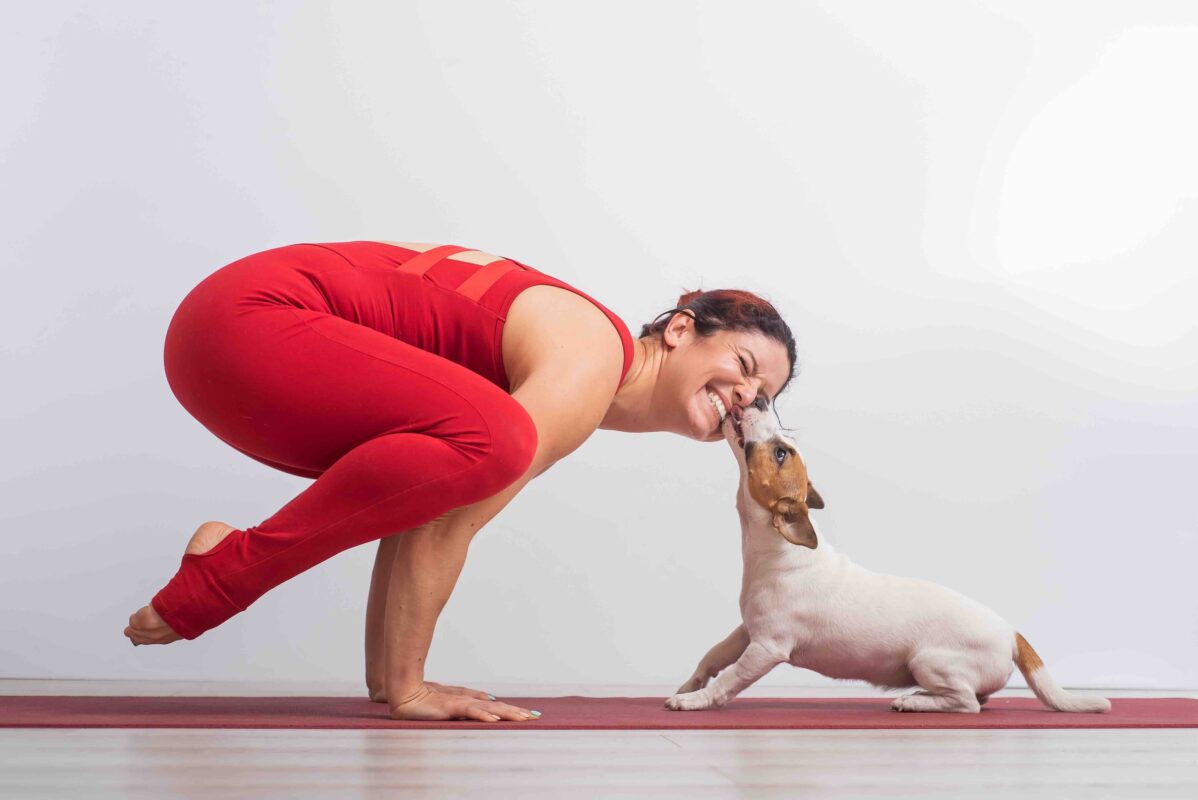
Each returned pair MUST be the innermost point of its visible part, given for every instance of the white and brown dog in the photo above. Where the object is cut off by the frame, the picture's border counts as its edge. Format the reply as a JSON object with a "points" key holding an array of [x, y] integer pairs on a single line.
{"points": [[805, 604]]}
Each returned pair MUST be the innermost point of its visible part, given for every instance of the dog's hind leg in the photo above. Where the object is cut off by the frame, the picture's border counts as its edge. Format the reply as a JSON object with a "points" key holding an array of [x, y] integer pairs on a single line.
{"points": [[982, 698], [717, 658], [946, 687]]}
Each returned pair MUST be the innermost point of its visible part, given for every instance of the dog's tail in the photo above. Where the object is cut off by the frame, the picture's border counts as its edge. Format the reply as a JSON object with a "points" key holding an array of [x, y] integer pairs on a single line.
{"points": [[1048, 690]]}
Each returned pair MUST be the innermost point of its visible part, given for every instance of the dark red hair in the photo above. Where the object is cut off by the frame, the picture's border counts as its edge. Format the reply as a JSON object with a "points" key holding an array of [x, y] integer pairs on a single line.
{"points": [[729, 310]]}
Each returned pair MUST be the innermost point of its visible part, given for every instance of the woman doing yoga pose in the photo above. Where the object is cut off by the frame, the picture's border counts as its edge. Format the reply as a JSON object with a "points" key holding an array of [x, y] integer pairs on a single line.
{"points": [[421, 387]]}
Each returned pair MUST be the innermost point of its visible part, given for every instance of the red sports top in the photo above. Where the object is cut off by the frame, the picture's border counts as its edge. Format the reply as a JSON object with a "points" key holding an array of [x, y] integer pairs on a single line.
{"points": [[452, 308]]}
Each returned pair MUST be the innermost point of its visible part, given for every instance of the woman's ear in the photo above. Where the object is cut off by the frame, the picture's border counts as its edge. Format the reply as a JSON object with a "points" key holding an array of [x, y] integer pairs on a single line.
{"points": [[813, 498], [791, 520], [679, 324]]}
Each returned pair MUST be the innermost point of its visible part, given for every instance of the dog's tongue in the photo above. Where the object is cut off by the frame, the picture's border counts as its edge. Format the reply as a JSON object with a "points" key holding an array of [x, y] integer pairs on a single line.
{"points": [[737, 412]]}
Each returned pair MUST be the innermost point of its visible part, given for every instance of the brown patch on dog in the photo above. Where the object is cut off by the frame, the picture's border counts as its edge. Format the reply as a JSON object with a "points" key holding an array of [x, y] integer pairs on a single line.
{"points": [[813, 498], [1025, 657], [779, 487]]}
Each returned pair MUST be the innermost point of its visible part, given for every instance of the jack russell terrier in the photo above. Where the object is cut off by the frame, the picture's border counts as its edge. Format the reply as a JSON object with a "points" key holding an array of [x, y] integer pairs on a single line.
{"points": [[805, 604]]}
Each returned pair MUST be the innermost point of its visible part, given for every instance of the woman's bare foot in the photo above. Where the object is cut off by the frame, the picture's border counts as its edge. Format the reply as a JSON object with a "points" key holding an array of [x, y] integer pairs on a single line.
{"points": [[208, 536], [145, 625], [380, 696]]}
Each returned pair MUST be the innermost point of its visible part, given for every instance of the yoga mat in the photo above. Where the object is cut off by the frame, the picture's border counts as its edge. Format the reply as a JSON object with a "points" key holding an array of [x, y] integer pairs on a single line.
{"points": [[572, 713]]}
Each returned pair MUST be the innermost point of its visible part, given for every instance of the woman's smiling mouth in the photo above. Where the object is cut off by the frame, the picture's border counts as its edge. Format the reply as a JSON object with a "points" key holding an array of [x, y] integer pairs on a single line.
{"points": [[722, 414], [717, 403]]}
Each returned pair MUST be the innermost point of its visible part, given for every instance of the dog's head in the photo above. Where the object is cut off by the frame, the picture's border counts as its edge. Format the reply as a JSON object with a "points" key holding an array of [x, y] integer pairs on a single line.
{"points": [[773, 471]]}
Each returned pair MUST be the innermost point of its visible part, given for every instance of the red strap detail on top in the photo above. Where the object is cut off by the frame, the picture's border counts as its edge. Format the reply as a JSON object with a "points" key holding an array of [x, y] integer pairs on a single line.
{"points": [[422, 262], [484, 278]]}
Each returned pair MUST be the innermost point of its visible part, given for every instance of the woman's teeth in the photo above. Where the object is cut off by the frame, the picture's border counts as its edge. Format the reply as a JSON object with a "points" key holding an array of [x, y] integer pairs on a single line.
{"points": [[719, 405]]}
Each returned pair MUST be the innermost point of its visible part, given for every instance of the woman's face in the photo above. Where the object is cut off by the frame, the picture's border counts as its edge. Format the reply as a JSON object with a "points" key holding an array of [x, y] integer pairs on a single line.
{"points": [[736, 365]]}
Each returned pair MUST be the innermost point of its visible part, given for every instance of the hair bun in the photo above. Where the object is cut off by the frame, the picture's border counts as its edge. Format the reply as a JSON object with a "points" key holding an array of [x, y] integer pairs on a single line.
{"points": [[688, 297]]}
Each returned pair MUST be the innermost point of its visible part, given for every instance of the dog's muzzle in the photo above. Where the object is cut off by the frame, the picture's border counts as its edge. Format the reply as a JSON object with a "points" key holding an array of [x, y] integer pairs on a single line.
{"points": [[737, 415]]}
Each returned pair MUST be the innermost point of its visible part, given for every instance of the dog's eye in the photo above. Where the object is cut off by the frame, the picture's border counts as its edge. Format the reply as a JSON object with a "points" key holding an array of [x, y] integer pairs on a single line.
{"points": [[781, 453]]}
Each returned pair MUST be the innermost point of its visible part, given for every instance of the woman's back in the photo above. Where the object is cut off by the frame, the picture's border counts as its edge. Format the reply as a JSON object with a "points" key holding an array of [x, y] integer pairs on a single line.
{"points": [[461, 308]]}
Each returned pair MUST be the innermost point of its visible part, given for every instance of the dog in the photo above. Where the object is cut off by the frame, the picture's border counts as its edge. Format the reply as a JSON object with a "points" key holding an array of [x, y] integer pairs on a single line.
{"points": [[806, 604]]}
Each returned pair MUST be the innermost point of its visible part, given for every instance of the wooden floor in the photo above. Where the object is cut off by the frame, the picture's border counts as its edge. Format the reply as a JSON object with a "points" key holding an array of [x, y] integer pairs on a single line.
{"points": [[924, 764]]}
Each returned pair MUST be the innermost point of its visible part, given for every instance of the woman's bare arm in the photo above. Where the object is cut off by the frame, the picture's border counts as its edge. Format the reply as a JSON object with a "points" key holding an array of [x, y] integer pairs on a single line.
{"points": [[384, 579], [376, 609], [567, 404]]}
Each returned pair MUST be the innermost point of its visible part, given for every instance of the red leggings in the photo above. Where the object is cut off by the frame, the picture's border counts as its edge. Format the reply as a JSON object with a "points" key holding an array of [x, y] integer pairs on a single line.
{"points": [[394, 435]]}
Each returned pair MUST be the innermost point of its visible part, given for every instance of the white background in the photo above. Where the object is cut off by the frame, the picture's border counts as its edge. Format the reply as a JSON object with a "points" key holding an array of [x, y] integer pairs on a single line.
{"points": [[979, 218]]}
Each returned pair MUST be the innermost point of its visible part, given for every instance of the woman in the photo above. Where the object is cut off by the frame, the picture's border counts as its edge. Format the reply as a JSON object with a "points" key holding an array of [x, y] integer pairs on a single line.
{"points": [[422, 386]]}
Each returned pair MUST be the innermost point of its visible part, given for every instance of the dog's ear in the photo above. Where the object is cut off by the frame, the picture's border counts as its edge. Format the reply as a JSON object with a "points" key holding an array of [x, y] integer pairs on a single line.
{"points": [[813, 498], [791, 520]]}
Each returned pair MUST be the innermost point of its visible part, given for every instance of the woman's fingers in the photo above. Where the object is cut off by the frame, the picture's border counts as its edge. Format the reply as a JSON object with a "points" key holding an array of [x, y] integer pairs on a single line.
{"points": [[509, 711], [491, 711], [430, 704]]}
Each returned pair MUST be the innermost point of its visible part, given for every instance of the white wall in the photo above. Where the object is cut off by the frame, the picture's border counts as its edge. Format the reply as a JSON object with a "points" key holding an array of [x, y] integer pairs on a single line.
{"points": [[979, 219]]}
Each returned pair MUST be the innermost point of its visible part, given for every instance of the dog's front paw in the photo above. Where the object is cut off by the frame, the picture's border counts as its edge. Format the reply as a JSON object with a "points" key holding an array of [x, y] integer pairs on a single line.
{"points": [[691, 701]]}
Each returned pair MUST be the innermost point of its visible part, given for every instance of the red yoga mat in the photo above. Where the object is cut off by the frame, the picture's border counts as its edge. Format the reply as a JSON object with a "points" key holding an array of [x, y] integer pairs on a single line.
{"points": [[572, 713]]}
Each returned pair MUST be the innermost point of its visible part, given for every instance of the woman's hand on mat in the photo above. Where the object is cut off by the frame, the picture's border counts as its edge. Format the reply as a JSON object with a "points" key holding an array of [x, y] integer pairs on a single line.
{"points": [[146, 627], [380, 696], [427, 703]]}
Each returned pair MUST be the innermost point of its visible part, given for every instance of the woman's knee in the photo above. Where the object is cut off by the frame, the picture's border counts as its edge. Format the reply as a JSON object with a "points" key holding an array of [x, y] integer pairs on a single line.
{"points": [[513, 444]]}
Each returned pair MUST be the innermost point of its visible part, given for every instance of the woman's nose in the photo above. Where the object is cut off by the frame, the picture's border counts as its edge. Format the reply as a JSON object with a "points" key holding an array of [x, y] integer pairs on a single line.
{"points": [[758, 401]]}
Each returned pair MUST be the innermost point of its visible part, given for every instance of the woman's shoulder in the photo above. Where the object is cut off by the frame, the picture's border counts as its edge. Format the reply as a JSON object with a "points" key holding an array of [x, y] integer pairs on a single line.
{"points": [[554, 329], [552, 326]]}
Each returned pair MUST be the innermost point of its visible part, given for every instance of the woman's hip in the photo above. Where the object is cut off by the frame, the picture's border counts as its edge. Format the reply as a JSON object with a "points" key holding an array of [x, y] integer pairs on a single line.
{"points": [[259, 360]]}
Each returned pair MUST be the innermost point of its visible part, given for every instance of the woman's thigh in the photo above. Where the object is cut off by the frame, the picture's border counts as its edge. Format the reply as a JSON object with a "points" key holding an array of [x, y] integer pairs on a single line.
{"points": [[297, 388]]}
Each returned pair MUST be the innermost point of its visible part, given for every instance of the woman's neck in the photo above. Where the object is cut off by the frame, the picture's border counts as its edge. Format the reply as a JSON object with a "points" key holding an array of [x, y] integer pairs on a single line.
{"points": [[630, 408]]}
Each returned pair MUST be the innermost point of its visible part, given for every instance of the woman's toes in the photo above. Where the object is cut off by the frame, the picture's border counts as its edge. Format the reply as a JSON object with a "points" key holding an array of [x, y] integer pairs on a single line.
{"points": [[147, 627], [145, 624]]}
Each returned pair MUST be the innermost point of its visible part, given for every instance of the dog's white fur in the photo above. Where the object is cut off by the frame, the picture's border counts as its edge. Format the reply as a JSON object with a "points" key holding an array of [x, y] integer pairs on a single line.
{"points": [[814, 608]]}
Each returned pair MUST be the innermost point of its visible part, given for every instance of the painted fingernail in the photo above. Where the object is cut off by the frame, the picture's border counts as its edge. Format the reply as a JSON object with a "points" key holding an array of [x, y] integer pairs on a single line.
{"points": [[536, 713], [491, 695]]}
